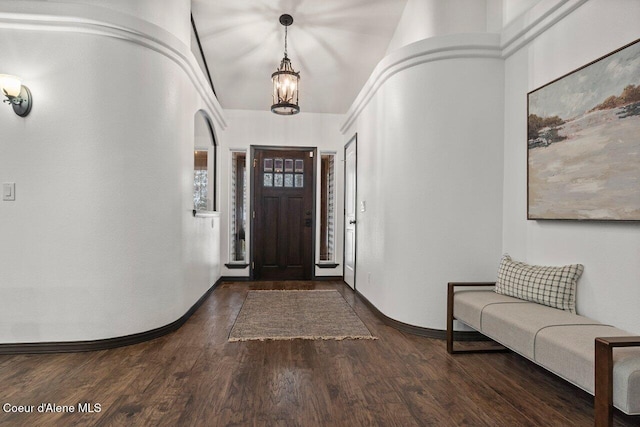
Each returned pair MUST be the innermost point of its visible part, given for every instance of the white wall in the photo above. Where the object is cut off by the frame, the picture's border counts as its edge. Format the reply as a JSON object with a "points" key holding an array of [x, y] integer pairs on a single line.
{"points": [[609, 289], [408, 246], [100, 241], [264, 128], [430, 172], [422, 19], [511, 9], [172, 15]]}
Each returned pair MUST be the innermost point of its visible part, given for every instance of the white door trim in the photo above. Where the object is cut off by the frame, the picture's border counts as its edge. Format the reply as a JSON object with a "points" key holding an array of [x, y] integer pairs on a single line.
{"points": [[350, 212]]}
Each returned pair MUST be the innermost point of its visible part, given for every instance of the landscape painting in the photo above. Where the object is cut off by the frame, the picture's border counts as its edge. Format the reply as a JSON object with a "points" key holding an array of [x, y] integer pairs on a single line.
{"points": [[584, 142]]}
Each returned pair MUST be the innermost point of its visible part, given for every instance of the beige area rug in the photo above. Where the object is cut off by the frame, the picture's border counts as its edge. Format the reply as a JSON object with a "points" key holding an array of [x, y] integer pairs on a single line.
{"points": [[297, 314]]}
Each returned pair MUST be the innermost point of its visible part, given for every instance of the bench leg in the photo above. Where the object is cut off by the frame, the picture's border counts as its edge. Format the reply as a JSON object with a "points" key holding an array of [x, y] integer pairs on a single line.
{"points": [[450, 333], [603, 400], [450, 318]]}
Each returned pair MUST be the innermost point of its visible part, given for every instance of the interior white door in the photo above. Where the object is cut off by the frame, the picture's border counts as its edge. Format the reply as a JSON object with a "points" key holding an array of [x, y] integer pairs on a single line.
{"points": [[350, 209]]}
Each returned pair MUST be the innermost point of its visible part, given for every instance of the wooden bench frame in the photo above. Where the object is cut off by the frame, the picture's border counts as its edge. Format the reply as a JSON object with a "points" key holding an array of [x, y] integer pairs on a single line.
{"points": [[603, 399], [451, 318], [603, 369]]}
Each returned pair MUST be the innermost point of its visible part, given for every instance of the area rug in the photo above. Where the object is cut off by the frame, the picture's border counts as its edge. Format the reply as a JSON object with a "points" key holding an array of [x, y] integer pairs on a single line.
{"points": [[297, 314]]}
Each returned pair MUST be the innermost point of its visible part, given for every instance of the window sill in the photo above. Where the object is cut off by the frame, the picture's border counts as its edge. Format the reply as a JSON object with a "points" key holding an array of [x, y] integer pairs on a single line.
{"points": [[326, 265], [206, 214], [236, 266]]}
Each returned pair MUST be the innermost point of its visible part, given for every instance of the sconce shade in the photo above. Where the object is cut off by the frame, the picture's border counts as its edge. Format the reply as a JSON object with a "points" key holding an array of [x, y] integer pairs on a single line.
{"points": [[18, 96], [10, 85]]}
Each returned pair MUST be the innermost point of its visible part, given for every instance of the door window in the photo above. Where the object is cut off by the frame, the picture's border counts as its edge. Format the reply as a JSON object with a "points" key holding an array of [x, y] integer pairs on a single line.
{"points": [[286, 173]]}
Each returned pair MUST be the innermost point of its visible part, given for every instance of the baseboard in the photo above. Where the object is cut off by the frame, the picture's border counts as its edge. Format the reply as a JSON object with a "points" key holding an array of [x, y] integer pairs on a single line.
{"points": [[235, 279], [105, 344], [249, 279], [328, 278], [418, 330]]}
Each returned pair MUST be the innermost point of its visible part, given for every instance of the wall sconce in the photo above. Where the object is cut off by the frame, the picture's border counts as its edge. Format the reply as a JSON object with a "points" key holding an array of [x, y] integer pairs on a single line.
{"points": [[17, 95]]}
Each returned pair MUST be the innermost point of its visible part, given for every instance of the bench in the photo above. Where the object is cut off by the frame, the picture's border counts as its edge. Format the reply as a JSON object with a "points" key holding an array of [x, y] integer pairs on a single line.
{"points": [[571, 346]]}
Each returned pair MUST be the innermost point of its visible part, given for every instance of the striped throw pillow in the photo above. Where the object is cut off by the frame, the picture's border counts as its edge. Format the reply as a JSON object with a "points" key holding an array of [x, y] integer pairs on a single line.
{"points": [[551, 286]]}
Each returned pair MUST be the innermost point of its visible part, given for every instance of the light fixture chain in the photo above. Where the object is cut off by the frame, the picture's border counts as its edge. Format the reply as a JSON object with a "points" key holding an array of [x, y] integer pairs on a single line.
{"points": [[285, 41]]}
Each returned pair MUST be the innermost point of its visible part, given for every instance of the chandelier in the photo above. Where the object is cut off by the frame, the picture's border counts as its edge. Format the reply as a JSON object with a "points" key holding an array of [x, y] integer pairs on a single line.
{"points": [[285, 80]]}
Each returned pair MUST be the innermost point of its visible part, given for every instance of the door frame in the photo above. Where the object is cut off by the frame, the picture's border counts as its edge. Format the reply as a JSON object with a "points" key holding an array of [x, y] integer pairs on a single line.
{"points": [[252, 167], [353, 140]]}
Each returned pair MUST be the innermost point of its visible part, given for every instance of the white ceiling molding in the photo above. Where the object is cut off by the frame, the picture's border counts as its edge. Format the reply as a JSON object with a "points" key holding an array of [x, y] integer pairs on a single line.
{"points": [[517, 34], [43, 16], [534, 22], [482, 45]]}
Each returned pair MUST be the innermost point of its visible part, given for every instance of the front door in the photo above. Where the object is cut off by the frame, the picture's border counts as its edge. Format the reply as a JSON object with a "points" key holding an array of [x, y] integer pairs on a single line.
{"points": [[283, 213], [350, 209]]}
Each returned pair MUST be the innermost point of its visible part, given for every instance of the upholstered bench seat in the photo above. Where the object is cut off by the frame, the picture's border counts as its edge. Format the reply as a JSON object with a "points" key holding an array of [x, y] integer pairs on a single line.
{"points": [[568, 351], [558, 340]]}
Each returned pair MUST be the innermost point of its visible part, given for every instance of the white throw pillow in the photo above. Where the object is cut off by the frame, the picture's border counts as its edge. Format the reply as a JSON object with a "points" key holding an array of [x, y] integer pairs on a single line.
{"points": [[551, 286]]}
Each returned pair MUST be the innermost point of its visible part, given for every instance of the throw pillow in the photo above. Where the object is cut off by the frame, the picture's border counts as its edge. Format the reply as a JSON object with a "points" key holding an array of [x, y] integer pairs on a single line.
{"points": [[551, 286]]}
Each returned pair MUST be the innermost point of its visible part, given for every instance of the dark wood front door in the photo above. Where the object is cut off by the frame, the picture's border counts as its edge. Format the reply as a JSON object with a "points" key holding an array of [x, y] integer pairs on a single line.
{"points": [[283, 205]]}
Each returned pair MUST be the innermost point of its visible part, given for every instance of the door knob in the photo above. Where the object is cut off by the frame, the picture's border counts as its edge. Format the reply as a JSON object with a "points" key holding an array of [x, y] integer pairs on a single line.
{"points": [[353, 221]]}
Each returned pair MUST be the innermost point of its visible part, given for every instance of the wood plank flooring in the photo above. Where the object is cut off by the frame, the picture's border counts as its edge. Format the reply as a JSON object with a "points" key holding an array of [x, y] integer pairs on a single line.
{"points": [[194, 377]]}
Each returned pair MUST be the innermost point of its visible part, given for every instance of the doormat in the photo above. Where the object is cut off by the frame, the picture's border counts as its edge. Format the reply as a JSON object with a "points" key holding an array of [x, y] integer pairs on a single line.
{"points": [[297, 314]]}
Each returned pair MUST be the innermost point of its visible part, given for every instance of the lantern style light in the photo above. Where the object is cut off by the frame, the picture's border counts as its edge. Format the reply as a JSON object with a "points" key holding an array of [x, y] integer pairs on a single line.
{"points": [[285, 80]]}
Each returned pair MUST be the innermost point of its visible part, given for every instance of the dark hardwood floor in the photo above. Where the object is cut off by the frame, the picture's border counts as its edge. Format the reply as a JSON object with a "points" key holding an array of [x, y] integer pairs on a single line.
{"points": [[194, 377]]}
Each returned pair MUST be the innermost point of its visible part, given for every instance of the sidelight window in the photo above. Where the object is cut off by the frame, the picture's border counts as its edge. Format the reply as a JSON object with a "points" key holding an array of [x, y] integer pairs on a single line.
{"points": [[327, 207], [238, 205]]}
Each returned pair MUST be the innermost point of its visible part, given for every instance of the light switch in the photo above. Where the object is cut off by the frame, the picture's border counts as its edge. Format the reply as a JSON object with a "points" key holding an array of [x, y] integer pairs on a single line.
{"points": [[9, 191], [363, 206]]}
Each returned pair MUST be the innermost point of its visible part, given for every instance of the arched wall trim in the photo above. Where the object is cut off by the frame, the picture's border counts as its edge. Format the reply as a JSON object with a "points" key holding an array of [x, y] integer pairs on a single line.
{"points": [[534, 22], [521, 31], [214, 143], [428, 50], [212, 129], [72, 18]]}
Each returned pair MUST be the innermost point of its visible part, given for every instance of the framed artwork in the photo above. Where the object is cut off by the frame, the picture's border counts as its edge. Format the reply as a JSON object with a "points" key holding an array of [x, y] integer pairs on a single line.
{"points": [[583, 154]]}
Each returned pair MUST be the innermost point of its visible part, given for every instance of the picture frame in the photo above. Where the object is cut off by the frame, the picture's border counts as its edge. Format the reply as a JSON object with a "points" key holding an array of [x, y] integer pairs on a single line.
{"points": [[583, 142]]}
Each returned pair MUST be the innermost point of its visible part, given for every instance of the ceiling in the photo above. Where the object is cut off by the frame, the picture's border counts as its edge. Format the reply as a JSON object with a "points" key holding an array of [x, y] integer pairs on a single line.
{"points": [[334, 44]]}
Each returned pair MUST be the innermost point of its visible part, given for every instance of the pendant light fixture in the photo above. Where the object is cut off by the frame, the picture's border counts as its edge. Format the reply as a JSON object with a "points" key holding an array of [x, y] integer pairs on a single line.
{"points": [[285, 80]]}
